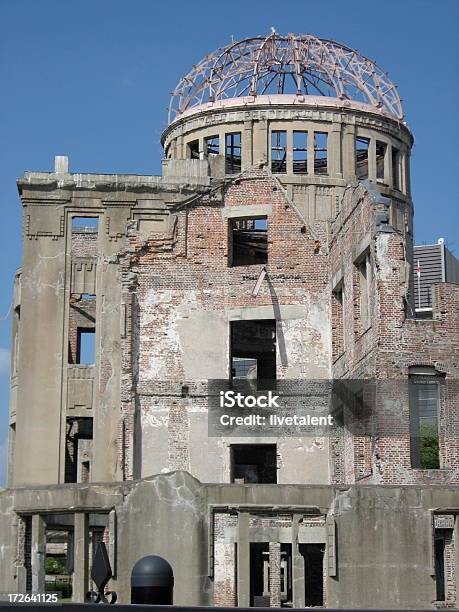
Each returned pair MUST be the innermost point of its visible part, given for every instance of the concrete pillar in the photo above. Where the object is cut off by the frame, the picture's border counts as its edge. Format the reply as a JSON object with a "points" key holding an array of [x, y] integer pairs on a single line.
{"points": [[179, 152], [38, 553], [372, 160], [274, 575], [403, 172], [408, 173], [260, 142], [246, 144], [289, 158], [311, 152], [311, 203], [388, 165], [297, 564], [348, 152], [221, 142], [80, 576], [243, 560], [334, 151]]}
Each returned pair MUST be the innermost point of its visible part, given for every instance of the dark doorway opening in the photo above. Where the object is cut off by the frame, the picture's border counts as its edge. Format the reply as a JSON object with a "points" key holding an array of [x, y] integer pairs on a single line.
{"points": [[260, 575], [313, 555], [259, 590], [440, 565]]}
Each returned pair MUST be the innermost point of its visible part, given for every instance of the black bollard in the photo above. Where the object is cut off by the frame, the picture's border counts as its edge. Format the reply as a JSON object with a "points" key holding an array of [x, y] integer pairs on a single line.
{"points": [[152, 581]]}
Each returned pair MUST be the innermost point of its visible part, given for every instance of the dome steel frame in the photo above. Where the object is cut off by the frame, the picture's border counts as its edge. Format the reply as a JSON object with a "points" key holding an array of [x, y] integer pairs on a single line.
{"points": [[293, 64]]}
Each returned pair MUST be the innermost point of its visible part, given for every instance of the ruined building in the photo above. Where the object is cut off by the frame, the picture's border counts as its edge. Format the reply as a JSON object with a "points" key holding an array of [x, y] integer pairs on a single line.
{"points": [[276, 245]]}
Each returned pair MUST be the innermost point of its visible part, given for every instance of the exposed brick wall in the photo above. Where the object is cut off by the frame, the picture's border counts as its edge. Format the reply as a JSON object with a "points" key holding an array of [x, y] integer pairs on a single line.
{"points": [[392, 343], [225, 579], [187, 265], [274, 575], [84, 244], [450, 571]]}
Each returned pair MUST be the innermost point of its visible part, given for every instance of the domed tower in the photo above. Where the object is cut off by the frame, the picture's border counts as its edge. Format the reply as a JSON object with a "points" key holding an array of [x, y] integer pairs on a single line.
{"points": [[318, 114]]}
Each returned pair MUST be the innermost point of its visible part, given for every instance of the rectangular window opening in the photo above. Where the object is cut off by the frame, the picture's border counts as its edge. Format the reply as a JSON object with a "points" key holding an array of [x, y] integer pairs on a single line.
{"points": [[320, 153], [86, 346], [300, 152], [78, 449], [249, 241], [424, 430], [82, 324], [253, 463], [381, 149], [253, 352], [278, 152], [233, 153], [193, 149], [212, 145], [362, 146], [82, 225]]}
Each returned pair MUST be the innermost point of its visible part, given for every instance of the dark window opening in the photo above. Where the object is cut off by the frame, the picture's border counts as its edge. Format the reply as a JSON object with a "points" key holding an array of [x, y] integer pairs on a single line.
{"points": [[254, 342], [16, 326], [300, 152], [279, 152], [86, 346], [337, 322], [193, 149], [320, 153], [233, 153], [381, 148], [253, 463], [424, 434], [88, 225], [395, 168], [439, 553], [362, 146], [313, 555], [78, 449], [249, 241], [212, 145]]}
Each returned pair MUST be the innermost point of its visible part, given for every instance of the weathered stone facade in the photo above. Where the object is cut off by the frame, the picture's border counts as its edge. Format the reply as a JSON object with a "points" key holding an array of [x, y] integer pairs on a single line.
{"points": [[111, 440]]}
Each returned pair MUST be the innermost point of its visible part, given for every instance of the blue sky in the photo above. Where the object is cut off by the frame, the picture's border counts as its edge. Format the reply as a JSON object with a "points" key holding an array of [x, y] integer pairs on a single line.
{"points": [[91, 79]]}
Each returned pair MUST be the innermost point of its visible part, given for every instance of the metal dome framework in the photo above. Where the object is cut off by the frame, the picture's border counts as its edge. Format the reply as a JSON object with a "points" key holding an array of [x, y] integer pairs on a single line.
{"points": [[292, 64]]}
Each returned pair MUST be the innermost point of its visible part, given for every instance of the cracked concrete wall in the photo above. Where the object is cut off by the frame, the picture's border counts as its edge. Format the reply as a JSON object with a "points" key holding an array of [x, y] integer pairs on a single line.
{"points": [[41, 355], [383, 534]]}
